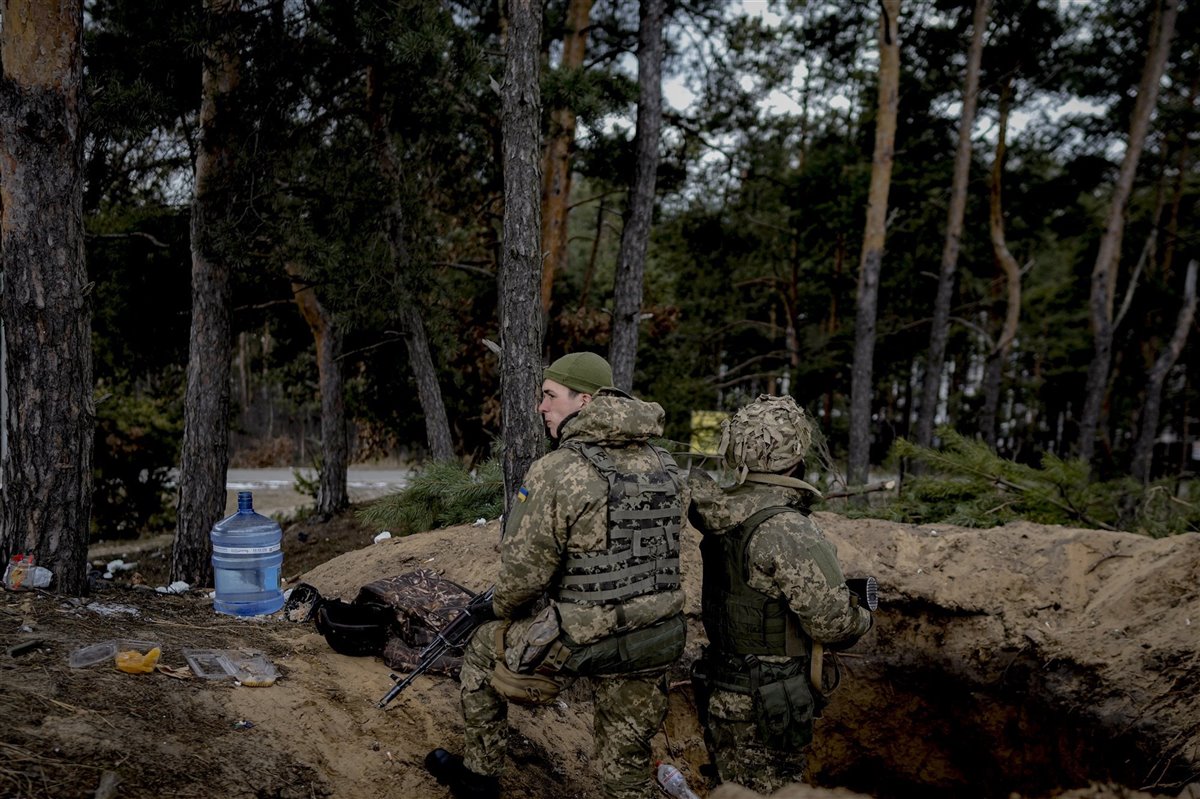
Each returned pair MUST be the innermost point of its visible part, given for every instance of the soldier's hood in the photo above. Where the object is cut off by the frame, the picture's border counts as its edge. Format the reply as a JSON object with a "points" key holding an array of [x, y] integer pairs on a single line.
{"points": [[614, 417], [718, 510]]}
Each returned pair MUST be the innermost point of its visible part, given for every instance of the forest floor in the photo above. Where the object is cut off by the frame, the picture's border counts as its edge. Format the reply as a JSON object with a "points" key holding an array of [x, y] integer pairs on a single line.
{"points": [[1024, 661]]}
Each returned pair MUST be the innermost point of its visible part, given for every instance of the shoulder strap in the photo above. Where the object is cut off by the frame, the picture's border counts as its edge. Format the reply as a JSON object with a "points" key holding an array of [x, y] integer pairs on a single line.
{"points": [[595, 455], [758, 517], [781, 480]]}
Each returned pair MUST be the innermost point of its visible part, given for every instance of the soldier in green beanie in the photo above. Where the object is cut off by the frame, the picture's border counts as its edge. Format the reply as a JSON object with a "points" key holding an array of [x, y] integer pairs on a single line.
{"points": [[589, 588], [568, 384]]}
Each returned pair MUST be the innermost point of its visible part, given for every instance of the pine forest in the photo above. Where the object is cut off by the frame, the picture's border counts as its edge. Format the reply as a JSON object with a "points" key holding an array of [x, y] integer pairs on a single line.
{"points": [[961, 233]]}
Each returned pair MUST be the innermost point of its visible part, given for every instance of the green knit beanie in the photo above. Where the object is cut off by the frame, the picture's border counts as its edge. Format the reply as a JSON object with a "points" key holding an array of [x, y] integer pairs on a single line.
{"points": [[585, 372]]}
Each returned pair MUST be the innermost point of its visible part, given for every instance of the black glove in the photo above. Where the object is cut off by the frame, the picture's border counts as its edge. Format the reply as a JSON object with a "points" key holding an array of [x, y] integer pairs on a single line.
{"points": [[484, 612]]}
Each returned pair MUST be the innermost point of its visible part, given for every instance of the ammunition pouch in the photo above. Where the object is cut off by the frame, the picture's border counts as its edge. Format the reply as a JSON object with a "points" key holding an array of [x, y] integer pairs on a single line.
{"points": [[784, 703], [646, 649], [784, 713], [531, 649], [535, 688]]}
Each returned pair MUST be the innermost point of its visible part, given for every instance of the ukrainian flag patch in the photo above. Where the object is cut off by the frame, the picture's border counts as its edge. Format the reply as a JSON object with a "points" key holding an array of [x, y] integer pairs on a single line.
{"points": [[522, 494]]}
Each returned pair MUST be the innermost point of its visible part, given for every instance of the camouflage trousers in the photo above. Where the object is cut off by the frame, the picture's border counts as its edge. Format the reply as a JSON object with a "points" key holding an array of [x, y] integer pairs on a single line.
{"points": [[733, 742], [629, 709]]}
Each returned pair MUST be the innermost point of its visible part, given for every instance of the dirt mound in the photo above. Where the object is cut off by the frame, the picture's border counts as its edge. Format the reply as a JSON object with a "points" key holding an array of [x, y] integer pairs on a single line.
{"points": [[1026, 660]]}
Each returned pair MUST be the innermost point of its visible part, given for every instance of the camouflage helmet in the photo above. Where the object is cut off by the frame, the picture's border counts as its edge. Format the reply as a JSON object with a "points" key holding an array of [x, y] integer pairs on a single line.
{"points": [[771, 434]]}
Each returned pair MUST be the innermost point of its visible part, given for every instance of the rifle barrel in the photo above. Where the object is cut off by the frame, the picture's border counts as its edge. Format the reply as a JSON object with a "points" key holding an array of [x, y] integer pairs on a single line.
{"points": [[396, 689]]}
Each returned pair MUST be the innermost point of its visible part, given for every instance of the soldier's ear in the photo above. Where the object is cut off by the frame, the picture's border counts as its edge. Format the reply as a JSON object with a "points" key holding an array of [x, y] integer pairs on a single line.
{"points": [[584, 399]]}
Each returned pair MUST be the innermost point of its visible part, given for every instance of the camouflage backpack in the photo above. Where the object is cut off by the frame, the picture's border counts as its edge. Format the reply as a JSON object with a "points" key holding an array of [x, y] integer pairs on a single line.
{"points": [[394, 618], [422, 603]]}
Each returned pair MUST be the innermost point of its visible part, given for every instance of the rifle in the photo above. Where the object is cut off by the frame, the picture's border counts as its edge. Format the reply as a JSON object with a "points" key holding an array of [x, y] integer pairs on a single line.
{"points": [[453, 636]]}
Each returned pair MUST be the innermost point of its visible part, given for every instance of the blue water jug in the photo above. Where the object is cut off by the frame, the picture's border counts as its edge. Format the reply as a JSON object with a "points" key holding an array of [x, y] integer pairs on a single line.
{"points": [[247, 562]]}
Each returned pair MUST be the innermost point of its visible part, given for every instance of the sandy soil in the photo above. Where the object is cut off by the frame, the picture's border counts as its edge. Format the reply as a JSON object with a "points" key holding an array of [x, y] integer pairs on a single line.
{"points": [[1022, 661]]}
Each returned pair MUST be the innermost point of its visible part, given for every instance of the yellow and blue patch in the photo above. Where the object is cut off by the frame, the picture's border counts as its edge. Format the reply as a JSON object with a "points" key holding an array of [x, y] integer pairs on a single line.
{"points": [[522, 494]]}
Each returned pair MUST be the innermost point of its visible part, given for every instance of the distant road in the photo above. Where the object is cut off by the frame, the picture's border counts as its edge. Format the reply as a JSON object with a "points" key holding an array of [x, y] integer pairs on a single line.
{"points": [[274, 490]]}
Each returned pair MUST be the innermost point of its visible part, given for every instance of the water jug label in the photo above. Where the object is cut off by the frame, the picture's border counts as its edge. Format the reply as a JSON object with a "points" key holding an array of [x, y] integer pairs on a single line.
{"points": [[245, 550]]}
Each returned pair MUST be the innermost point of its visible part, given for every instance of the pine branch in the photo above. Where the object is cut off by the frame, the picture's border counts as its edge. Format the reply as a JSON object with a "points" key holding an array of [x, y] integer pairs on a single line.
{"points": [[975, 459], [441, 495]]}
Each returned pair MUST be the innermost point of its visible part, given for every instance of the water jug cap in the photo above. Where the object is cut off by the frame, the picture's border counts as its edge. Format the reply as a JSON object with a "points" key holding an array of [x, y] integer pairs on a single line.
{"points": [[245, 502]]}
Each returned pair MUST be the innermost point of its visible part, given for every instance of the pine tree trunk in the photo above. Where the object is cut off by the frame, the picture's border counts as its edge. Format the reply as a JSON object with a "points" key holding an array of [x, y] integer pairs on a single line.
{"points": [[940, 327], [1012, 277], [590, 270], [861, 382], [1104, 271], [332, 494], [1143, 450], [420, 357], [520, 263], [993, 379], [205, 456], [635, 238], [49, 419], [556, 178], [429, 393]]}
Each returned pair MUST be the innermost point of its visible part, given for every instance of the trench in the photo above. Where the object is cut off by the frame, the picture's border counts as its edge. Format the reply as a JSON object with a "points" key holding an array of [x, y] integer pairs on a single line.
{"points": [[901, 729]]}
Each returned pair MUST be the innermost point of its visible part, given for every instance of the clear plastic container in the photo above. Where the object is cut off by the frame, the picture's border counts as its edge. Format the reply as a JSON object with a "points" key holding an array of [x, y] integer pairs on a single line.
{"points": [[208, 664], [103, 651], [251, 669], [248, 668], [247, 562]]}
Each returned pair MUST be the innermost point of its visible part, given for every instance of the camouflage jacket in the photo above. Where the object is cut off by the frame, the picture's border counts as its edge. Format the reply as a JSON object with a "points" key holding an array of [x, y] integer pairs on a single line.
{"points": [[562, 508], [788, 556]]}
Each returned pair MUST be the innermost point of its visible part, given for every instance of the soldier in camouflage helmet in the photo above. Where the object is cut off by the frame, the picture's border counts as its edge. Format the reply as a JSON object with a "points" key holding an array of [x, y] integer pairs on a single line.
{"points": [[595, 528], [772, 587]]}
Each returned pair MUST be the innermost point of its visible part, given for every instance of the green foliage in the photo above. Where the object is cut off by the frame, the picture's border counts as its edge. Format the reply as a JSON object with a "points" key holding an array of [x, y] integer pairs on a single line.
{"points": [[308, 486], [752, 269], [441, 495], [136, 445], [966, 483]]}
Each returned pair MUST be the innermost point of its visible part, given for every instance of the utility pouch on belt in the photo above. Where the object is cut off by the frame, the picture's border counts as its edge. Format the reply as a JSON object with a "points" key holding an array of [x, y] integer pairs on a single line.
{"points": [[638, 650], [523, 689], [784, 713], [527, 654]]}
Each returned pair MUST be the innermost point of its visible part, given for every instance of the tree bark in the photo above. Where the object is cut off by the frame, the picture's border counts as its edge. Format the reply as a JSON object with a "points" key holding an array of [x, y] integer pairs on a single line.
{"points": [[1012, 277], [429, 393], [591, 264], [332, 494], [420, 357], [556, 177], [1104, 271], [1143, 449], [940, 327], [861, 388], [205, 455], [46, 502], [635, 238], [520, 263]]}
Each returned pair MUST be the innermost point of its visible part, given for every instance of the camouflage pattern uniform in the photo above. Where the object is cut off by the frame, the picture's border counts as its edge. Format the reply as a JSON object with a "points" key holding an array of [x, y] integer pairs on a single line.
{"points": [[786, 558], [562, 511]]}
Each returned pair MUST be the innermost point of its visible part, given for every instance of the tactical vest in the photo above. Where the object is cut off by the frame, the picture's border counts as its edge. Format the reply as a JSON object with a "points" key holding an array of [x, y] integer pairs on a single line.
{"points": [[738, 619], [642, 553]]}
